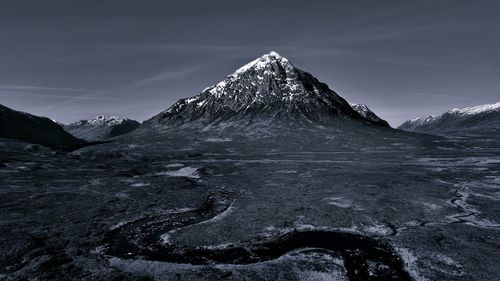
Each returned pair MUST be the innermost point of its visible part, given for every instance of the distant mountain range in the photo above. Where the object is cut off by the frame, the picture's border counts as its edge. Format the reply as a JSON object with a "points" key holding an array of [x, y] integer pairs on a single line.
{"points": [[481, 117], [268, 88], [102, 127], [34, 129]]}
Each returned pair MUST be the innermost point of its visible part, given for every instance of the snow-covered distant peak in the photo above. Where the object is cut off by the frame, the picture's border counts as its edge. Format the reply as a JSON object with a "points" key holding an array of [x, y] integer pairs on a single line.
{"points": [[476, 109], [104, 119], [423, 120], [101, 127], [457, 120], [101, 120]]}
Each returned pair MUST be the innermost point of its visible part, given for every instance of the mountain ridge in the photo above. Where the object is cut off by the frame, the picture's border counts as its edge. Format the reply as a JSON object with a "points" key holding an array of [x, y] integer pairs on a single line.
{"points": [[368, 114], [267, 88], [480, 117], [101, 127], [26, 127]]}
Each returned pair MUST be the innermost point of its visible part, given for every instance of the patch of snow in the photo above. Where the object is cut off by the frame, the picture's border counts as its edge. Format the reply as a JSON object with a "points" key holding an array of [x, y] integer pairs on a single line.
{"points": [[476, 109], [118, 225], [98, 250], [101, 120], [431, 206], [190, 100], [166, 239], [339, 202], [140, 184], [178, 210], [410, 263], [174, 165], [422, 121], [187, 172], [378, 230], [218, 140]]}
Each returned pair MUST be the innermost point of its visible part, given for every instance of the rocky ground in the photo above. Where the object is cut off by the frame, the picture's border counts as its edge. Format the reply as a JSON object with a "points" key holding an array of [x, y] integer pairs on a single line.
{"points": [[287, 203]]}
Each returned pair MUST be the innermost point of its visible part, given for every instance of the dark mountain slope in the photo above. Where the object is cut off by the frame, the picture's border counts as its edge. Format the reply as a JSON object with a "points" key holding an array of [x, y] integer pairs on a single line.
{"points": [[366, 112], [34, 129]]}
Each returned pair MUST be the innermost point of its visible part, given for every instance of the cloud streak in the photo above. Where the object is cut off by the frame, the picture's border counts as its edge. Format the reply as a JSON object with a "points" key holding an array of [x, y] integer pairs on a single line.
{"points": [[43, 96], [161, 76], [42, 88]]}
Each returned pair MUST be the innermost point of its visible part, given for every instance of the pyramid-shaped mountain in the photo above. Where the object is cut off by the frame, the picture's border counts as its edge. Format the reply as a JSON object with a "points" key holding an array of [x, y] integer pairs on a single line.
{"points": [[269, 87]]}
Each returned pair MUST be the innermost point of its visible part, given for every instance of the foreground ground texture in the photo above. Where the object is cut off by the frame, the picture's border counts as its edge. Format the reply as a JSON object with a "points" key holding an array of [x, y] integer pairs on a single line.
{"points": [[287, 203]]}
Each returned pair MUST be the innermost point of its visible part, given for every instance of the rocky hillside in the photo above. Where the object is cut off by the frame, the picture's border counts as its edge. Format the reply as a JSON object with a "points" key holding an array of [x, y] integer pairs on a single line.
{"points": [[482, 117], [268, 88], [101, 127], [34, 129]]}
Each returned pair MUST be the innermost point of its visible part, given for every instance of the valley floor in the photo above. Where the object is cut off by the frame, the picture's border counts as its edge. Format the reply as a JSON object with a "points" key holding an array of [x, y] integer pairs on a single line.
{"points": [[207, 205]]}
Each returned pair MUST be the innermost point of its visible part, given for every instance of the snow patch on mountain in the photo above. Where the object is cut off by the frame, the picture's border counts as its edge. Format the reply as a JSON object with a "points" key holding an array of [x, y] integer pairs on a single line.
{"points": [[476, 109], [101, 120], [368, 114], [102, 127], [481, 117]]}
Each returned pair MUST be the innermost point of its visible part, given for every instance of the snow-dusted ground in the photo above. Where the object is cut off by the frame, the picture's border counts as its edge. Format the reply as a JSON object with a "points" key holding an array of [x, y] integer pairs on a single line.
{"points": [[433, 200]]}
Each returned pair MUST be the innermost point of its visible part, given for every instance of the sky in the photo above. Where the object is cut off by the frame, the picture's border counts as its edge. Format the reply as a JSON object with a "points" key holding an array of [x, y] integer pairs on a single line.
{"points": [[71, 60]]}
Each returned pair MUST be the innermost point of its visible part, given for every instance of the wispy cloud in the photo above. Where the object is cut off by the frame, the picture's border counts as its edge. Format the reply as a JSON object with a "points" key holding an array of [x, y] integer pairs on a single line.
{"points": [[161, 76], [41, 88], [44, 96]]}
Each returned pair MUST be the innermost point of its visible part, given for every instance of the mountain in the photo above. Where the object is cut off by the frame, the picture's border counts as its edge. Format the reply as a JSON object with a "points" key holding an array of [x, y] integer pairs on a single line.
{"points": [[364, 111], [101, 127], [481, 117], [34, 129], [268, 88]]}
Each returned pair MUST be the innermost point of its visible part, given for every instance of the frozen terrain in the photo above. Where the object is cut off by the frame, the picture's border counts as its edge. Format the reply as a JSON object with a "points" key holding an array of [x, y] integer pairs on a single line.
{"points": [[331, 205]]}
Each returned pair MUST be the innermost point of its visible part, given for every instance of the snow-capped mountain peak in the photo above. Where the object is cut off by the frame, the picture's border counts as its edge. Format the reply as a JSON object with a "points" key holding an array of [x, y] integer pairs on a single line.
{"points": [[263, 62], [268, 64], [476, 109], [267, 87], [101, 127], [421, 120], [101, 120]]}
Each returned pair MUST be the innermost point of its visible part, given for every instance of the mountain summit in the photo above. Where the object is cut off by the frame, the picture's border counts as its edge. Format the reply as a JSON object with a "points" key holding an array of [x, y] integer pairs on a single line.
{"points": [[269, 87], [101, 127]]}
